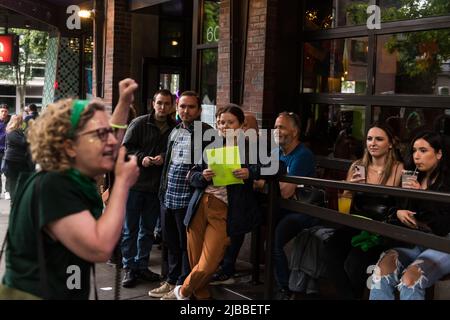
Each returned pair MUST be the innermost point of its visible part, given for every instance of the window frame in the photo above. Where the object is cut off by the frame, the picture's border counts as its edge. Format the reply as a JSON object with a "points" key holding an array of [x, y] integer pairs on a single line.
{"points": [[370, 99]]}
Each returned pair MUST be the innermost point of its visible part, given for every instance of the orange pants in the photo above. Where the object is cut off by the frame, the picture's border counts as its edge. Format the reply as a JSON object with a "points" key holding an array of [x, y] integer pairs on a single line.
{"points": [[207, 241]]}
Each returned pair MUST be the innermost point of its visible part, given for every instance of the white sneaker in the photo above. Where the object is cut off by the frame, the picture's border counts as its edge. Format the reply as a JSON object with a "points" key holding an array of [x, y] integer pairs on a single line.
{"points": [[177, 292], [162, 290], [7, 196]]}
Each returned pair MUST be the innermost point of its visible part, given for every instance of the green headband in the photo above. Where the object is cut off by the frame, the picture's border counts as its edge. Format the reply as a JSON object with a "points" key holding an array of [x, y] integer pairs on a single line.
{"points": [[77, 109]]}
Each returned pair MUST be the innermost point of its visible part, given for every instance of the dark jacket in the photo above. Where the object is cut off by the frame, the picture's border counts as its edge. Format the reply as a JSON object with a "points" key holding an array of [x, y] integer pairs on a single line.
{"points": [[143, 138], [3, 125], [243, 210], [436, 215], [32, 116], [194, 152], [17, 148]]}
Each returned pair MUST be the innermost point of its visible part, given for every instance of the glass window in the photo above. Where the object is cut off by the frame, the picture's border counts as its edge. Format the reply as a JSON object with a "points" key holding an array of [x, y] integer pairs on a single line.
{"points": [[37, 72], [413, 63], [336, 66], [7, 90], [392, 10], [407, 122], [210, 21], [88, 58], [208, 76], [327, 14], [169, 81], [10, 102], [171, 39], [335, 130]]}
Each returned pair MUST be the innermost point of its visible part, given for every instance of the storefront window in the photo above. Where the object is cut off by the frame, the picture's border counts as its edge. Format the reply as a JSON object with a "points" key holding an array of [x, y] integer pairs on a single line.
{"points": [[210, 19], [208, 77], [406, 122], [336, 66], [88, 57], [326, 14], [207, 47], [335, 130], [413, 63], [409, 57], [392, 10], [171, 39]]}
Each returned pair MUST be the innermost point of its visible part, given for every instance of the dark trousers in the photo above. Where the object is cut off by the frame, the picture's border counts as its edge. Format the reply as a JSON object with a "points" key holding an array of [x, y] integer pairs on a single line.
{"points": [[288, 226], [137, 236], [229, 260], [174, 235], [2, 154], [348, 265], [12, 175]]}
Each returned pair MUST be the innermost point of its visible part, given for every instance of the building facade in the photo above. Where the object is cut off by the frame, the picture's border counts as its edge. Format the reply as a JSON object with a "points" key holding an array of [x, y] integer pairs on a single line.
{"points": [[340, 64]]}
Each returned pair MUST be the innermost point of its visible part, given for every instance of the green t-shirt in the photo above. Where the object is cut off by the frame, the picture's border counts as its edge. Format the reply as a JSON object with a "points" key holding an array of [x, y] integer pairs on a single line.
{"points": [[59, 197]]}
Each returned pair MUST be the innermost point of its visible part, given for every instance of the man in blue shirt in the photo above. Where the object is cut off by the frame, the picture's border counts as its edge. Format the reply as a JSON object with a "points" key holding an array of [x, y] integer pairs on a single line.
{"points": [[299, 161]]}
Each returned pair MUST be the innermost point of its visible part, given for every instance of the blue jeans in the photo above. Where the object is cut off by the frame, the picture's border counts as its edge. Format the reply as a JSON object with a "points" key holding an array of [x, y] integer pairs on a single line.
{"points": [[289, 225], [175, 237], [137, 234], [433, 264]]}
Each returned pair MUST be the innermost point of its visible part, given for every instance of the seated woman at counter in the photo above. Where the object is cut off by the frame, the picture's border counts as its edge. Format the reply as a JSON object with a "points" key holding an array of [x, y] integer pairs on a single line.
{"points": [[413, 269]]}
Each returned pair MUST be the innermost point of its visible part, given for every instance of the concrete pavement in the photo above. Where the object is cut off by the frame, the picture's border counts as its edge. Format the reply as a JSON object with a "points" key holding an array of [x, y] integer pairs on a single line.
{"points": [[106, 274]]}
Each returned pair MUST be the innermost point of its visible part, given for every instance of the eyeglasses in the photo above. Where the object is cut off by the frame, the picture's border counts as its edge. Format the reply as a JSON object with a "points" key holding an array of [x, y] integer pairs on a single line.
{"points": [[102, 133]]}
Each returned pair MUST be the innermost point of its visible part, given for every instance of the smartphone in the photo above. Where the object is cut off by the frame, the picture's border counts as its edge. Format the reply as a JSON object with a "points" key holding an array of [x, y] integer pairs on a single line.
{"points": [[361, 170]]}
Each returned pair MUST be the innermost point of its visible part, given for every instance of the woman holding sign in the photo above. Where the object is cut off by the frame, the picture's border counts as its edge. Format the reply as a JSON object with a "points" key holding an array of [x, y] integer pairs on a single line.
{"points": [[219, 208]]}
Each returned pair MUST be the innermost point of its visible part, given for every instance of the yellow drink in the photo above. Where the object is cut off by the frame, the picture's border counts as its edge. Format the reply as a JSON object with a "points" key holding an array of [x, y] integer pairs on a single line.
{"points": [[344, 204]]}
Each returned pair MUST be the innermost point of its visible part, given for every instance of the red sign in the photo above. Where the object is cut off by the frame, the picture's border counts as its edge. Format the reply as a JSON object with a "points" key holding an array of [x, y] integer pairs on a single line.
{"points": [[6, 49]]}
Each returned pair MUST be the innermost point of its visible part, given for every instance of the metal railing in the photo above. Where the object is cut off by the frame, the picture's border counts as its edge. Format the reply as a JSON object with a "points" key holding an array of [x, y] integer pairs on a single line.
{"points": [[275, 202]]}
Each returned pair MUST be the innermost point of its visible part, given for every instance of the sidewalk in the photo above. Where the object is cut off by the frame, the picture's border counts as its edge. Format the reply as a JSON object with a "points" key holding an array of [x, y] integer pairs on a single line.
{"points": [[105, 274]]}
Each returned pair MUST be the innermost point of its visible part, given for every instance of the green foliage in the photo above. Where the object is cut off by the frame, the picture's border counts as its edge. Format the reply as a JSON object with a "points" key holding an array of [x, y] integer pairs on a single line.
{"points": [[210, 21], [210, 30], [32, 47], [356, 13], [420, 54]]}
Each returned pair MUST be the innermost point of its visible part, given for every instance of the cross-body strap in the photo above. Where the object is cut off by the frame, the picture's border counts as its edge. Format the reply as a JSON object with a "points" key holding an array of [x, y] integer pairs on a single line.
{"points": [[3, 245], [36, 209], [95, 282]]}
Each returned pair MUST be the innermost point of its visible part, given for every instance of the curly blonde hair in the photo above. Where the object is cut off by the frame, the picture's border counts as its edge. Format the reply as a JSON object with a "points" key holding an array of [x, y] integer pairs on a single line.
{"points": [[49, 132]]}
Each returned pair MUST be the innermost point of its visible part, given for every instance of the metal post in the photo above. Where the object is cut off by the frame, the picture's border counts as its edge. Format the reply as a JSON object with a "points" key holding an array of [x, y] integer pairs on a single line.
{"points": [[272, 213]]}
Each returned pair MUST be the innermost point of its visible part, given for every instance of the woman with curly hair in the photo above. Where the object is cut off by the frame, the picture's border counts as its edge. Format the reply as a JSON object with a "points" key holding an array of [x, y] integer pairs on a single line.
{"points": [[72, 142]]}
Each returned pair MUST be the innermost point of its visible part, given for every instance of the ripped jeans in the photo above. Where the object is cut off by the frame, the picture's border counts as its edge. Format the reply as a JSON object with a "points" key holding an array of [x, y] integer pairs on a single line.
{"points": [[432, 264]]}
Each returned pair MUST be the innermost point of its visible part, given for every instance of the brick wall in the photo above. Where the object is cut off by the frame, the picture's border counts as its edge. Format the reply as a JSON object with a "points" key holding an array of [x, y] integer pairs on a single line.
{"points": [[117, 48], [223, 68], [259, 77]]}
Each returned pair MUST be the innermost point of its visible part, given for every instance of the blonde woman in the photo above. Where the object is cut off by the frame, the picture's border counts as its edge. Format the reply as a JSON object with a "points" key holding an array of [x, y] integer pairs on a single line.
{"points": [[379, 165], [73, 142], [17, 155]]}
